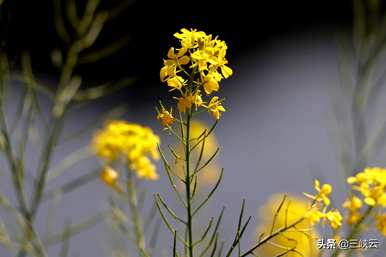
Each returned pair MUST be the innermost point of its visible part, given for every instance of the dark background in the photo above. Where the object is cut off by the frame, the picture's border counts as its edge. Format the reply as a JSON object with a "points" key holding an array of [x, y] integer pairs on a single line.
{"points": [[245, 25]]}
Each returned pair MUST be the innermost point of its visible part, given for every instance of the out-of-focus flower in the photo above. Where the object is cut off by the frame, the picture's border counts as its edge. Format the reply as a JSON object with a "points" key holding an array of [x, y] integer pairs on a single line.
{"points": [[353, 206], [333, 217], [198, 64], [381, 224], [371, 183], [130, 143], [109, 176], [301, 239]]}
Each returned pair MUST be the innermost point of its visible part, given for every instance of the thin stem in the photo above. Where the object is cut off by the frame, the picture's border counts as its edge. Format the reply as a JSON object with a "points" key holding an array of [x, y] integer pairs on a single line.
{"points": [[269, 237], [135, 214], [354, 232], [189, 226]]}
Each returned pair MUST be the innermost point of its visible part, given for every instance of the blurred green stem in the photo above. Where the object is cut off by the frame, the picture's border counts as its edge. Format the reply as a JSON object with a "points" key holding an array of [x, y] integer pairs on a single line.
{"points": [[136, 216], [354, 232]]}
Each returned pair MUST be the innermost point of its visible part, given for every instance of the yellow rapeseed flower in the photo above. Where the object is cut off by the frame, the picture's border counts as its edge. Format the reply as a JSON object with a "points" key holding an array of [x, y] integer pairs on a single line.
{"points": [[353, 206], [129, 143], [333, 217], [109, 176], [215, 107], [322, 193], [381, 224], [197, 65], [371, 183]]}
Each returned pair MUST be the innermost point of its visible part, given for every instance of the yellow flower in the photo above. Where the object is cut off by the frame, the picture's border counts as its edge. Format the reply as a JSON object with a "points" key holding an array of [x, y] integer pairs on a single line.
{"points": [[184, 102], [210, 85], [353, 205], [226, 71], [215, 107], [165, 117], [322, 193], [371, 183], [190, 38], [314, 216], [177, 59], [126, 142], [301, 238], [109, 176], [333, 217], [381, 224], [197, 99], [176, 82], [167, 71], [144, 167], [198, 64]]}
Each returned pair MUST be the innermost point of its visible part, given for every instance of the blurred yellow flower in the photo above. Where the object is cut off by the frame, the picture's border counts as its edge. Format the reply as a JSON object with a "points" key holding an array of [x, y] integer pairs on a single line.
{"points": [[371, 183], [130, 143], [300, 238], [353, 206], [335, 218], [109, 176], [381, 224]]}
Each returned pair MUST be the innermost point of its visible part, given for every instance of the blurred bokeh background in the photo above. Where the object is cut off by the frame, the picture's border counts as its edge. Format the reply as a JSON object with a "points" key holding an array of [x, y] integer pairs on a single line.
{"points": [[279, 131]]}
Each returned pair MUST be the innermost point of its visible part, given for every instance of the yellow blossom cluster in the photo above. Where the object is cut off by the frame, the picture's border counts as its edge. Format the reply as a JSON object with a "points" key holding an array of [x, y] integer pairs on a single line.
{"points": [[318, 211], [371, 185], [130, 143], [197, 65]]}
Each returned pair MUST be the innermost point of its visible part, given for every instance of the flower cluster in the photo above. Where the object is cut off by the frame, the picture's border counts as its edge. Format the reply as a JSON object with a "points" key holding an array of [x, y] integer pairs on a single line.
{"points": [[318, 211], [371, 185], [130, 143], [198, 64]]}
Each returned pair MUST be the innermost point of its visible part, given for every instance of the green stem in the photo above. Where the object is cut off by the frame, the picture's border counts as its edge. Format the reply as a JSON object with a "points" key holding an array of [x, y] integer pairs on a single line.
{"points": [[136, 216], [189, 226]]}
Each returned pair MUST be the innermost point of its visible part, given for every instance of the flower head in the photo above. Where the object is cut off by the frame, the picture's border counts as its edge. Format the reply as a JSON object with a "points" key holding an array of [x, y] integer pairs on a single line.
{"points": [[129, 143], [371, 183], [109, 176], [215, 107], [334, 218], [353, 206], [322, 193], [197, 65]]}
